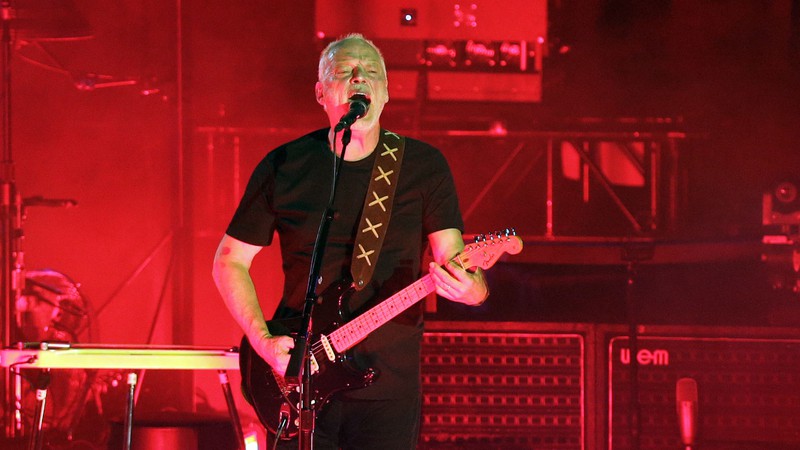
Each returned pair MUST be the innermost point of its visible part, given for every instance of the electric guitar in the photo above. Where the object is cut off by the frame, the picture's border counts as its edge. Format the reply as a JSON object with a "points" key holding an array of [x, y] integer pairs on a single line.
{"points": [[333, 370]]}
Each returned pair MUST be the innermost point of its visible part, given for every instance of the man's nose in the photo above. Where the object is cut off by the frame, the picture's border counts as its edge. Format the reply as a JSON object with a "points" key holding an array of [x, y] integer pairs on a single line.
{"points": [[358, 75]]}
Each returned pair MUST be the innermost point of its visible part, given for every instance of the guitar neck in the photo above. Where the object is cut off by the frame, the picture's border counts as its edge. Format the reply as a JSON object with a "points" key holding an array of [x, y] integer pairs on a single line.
{"points": [[357, 329], [483, 255]]}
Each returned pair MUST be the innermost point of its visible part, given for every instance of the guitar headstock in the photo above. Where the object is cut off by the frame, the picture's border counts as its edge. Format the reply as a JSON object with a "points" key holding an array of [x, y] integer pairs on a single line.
{"points": [[488, 248]]}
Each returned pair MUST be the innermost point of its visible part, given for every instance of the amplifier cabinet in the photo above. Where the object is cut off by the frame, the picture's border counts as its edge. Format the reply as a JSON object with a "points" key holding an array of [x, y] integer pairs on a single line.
{"points": [[511, 387], [748, 390]]}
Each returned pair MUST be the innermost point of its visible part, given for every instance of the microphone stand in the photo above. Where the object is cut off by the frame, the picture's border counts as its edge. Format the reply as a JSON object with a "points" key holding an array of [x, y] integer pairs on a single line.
{"points": [[633, 253], [10, 233], [298, 372]]}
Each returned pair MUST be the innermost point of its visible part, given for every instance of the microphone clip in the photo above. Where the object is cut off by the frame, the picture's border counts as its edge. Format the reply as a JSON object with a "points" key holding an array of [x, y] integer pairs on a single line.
{"points": [[359, 106]]}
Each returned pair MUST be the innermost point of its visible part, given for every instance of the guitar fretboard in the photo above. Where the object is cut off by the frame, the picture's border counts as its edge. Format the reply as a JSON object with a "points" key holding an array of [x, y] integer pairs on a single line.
{"points": [[357, 329]]}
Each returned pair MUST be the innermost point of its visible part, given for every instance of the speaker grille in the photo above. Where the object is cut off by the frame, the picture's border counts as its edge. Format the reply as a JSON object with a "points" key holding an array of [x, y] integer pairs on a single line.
{"points": [[748, 391], [502, 390]]}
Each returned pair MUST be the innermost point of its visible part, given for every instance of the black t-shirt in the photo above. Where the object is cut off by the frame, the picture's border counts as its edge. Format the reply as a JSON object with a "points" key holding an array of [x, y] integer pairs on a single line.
{"points": [[288, 193]]}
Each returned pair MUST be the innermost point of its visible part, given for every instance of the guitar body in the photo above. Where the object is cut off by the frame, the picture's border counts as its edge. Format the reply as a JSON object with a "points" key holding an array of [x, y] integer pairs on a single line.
{"points": [[268, 392], [334, 333]]}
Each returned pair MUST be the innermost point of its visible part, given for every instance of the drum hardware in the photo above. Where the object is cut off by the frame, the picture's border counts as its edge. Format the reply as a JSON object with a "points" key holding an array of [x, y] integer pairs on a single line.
{"points": [[52, 308], [25, 20], [38, 200]]}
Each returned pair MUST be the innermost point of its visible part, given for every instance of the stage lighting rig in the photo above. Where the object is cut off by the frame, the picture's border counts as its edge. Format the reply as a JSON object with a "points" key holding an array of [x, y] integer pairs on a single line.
{"points": [[482, 50]]}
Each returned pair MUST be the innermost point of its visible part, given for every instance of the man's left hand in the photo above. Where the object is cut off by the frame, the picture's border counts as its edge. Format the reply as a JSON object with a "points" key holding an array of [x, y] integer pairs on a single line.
{"points": [[455, 283]]}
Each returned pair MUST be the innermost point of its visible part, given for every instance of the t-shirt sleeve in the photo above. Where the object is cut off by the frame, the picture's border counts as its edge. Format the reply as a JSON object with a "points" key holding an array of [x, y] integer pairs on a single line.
{"points": [[254, 219], [441, 210]]}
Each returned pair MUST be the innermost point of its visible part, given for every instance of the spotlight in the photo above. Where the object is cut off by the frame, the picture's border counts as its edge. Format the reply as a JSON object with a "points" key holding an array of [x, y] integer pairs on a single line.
{"points": [[511, 54], [479, 54], [786, 195], [781, 204], [408, 17], [440, 54]]}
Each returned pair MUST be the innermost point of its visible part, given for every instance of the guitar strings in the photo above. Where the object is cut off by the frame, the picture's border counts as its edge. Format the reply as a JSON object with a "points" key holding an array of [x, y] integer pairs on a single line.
{"points": [[424, 282], [404, 294]]}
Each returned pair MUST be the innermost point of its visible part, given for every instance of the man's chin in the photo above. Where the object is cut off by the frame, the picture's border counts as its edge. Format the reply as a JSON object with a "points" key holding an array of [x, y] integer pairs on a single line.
{"points": [[362, 125]]}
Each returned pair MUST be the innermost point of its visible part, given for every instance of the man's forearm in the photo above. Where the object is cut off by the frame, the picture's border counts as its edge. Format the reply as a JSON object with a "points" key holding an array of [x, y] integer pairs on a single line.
{"points": [[239, 294]]}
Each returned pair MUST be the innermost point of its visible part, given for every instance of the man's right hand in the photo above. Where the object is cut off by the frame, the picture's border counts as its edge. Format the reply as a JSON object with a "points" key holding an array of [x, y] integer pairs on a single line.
{"points": [[274, 350]]}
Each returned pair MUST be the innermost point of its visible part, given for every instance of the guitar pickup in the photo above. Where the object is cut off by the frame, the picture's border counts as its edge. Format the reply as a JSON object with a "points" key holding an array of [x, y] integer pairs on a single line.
{"points": [[328, 348]]}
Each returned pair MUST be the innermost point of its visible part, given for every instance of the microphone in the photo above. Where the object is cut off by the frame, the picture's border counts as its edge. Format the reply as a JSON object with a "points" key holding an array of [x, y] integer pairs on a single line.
{"points": [[359, 105], [686, 399]]}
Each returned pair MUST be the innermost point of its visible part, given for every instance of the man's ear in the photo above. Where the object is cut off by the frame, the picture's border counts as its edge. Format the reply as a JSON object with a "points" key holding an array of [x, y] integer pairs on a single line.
{"points": [[318, 92]]}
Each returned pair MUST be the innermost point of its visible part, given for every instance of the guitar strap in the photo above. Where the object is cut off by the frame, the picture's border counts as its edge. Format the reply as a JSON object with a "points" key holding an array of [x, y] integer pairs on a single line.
{"points": [[377, 209]]}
